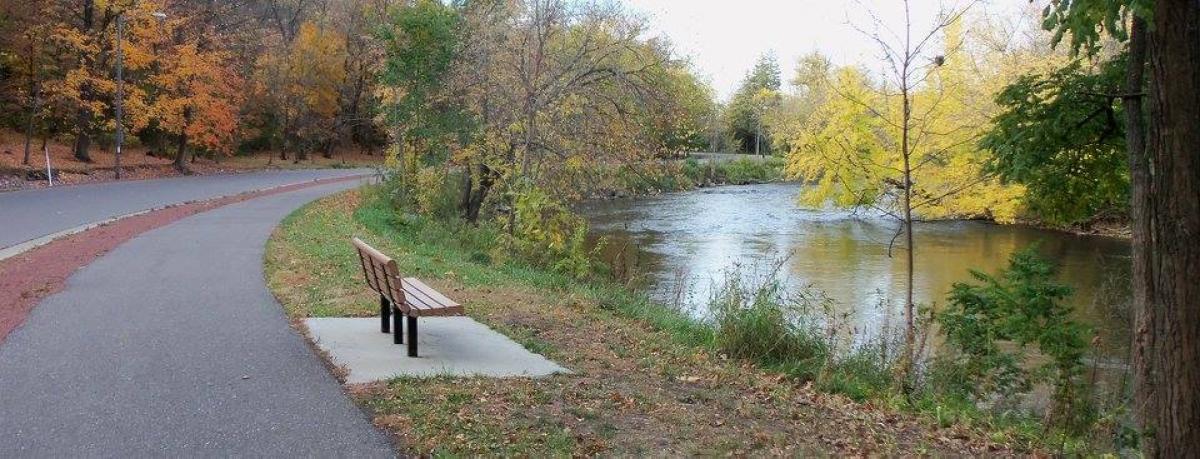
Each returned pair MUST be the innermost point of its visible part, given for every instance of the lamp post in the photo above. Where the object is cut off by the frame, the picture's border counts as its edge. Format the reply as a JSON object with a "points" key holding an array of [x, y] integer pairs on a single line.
{"points": [[120, 102]]}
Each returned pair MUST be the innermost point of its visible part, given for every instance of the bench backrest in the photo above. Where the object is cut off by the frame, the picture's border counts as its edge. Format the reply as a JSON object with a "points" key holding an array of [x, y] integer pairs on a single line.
{"points": [[380, 271]]}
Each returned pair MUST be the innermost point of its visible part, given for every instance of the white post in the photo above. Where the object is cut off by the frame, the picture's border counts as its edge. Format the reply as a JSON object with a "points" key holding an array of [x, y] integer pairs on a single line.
{"points": [[49, 172]]}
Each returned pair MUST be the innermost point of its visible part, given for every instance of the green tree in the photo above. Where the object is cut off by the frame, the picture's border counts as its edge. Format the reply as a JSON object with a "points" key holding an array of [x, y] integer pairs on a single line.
{"points": [[747, 106], [421, 42], [1062, 135]]}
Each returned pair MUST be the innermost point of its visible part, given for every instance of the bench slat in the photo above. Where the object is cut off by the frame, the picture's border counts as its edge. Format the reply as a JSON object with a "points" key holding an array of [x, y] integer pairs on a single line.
{"points": [[380, 271], [428, 302], [416, 285]]}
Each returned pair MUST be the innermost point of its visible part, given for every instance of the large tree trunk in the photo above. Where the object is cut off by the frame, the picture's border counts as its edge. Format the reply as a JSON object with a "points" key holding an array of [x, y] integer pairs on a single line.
{"points": [[1167, 353], [29, 124], [1139, 205], [181, 147], [487, 178], [83, 140]]}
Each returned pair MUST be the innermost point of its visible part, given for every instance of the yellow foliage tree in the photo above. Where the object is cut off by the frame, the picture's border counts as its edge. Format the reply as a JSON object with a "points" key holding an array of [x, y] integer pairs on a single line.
{"points": [[302, 85]]}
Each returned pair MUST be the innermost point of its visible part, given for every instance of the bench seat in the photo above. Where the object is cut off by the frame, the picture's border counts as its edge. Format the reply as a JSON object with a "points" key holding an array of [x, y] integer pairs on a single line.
{"points": [[406, 298], [421, 300]]}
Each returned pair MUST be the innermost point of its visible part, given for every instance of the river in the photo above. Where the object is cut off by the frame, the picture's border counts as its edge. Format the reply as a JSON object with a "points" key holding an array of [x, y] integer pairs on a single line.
{"points": [[683, 243]]}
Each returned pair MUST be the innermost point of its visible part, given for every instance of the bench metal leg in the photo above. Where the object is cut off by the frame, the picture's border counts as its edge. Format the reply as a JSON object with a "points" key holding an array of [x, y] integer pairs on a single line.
{"points": [[412, 336], [385, 311], [398, 324]]}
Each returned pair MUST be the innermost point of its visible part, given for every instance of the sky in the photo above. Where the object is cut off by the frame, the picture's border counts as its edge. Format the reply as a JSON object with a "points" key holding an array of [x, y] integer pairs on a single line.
{"points": [[724, 38]]}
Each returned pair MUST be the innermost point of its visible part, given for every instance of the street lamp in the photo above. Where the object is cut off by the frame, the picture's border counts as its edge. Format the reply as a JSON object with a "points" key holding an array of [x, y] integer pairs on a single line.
{"points": [[120, 102]]}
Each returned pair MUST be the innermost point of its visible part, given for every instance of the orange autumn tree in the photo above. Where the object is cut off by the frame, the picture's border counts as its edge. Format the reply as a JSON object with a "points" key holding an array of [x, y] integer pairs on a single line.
{"points": [[82, 35], [198, 100]]}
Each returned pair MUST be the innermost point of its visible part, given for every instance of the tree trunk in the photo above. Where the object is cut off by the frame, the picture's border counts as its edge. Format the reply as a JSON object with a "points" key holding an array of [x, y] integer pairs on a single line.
{"points": [[1167, 356], [34, 101], [29, 124], [909, 308], [487, 178], [910, 332], [82, 116], [328, 153], [181, 147], [82, 140], [1139, 206], [464, 199]]}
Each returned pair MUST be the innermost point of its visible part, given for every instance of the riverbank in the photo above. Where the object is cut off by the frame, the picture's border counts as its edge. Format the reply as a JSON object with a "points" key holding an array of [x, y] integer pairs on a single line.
{"points": [[648, 380], [680, 175]]}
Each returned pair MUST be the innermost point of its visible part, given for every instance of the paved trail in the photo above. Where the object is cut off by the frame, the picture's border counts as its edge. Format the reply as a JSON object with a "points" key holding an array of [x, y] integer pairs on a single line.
{"points": [[31, 214], [172, 345]]}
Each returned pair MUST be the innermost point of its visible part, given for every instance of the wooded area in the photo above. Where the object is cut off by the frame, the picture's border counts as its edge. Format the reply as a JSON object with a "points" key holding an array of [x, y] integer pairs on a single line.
{"points": [[303, 76]]}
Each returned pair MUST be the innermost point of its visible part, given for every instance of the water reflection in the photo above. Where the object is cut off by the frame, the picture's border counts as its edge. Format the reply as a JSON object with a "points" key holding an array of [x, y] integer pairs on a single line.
{"points": [[683, 242]]}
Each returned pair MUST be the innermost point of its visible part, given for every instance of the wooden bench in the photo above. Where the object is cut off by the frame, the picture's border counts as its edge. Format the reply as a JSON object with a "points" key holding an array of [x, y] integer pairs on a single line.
{"points": [[407, 296]]}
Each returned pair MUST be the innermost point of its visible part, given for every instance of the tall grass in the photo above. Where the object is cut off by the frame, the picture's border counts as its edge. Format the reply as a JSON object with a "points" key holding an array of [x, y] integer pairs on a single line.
{"points": [[764, 323]]}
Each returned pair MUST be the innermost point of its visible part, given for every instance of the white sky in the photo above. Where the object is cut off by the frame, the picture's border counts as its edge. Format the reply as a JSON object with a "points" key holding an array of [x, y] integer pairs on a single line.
{"points": [[724, 38]]}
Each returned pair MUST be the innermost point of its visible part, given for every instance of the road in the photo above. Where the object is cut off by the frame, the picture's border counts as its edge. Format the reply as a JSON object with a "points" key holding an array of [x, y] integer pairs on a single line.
{"points": [[172, 345], [30, 214], [725, 157]]}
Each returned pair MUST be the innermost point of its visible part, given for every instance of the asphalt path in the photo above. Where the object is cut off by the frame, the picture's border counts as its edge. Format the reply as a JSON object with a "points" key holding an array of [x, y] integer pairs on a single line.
{"points": [[30, 214], [172, 345]]}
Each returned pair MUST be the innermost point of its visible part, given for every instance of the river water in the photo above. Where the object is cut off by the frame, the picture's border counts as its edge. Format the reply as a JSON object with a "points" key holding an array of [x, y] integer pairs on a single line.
{"points": [[683, 243]]}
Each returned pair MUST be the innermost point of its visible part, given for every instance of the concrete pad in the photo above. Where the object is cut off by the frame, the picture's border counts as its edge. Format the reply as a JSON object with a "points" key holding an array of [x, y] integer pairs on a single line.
{"points": [[453, 346]]}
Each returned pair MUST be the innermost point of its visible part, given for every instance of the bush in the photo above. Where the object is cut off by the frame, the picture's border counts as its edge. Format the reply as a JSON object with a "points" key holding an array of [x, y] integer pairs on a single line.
{"points": [[549, 234], [989, 325], [741, 171]]}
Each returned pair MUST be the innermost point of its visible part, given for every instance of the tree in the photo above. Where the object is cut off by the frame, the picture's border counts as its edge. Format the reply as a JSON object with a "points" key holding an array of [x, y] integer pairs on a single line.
{"points": [[1062, 135], [793, 111], [302, 86], [682, 124], [1165, 205], [532, 104], [750, 103], [27, 30], [421, 42], [198, 99], [81, 81], [866, 143]]}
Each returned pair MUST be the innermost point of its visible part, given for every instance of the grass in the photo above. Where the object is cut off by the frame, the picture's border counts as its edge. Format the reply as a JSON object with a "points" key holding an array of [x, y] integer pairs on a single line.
{"points": [[647, 380]]}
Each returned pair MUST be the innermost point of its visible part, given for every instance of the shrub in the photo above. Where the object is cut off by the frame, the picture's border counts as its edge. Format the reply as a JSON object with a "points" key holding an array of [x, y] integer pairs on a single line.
{"points": [[739, 171], [990, 324], [548, 233]]}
